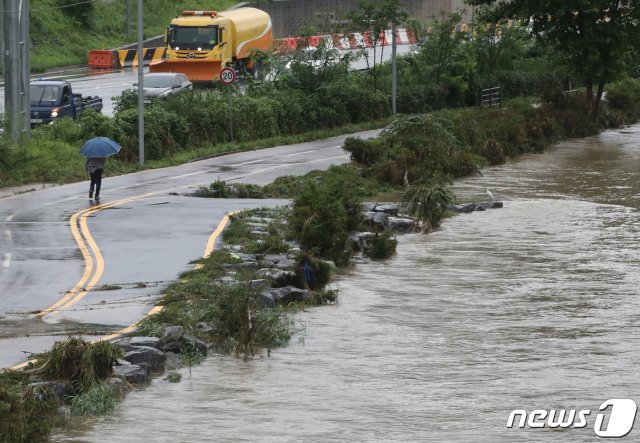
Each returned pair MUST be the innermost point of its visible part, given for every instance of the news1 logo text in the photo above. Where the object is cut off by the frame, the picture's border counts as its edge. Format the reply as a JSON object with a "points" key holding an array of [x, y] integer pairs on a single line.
{"points": [[621, 414]]}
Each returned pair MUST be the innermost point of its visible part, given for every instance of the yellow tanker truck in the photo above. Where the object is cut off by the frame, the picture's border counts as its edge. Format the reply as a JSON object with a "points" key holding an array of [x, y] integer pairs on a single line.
{"points": [[201, 43]]}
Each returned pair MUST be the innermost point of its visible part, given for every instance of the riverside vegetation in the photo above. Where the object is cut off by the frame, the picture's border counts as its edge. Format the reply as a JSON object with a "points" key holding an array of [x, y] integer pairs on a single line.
{"points": [[426, 149], [321, 97]]}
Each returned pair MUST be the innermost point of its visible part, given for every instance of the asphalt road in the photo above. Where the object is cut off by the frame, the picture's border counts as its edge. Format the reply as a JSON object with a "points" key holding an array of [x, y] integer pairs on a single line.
{"points": [[68, 266]]}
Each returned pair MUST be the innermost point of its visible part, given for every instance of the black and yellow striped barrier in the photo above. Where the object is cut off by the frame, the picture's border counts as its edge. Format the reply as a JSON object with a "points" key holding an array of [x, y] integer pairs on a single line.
{"points": [[128, 58]]}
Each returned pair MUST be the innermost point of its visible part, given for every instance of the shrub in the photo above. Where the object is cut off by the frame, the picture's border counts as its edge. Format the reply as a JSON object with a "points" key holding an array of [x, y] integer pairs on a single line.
{"points": [[255, 118], [319, 221], [324, 297], [27, 413], [321, 271], [379, 246], [493, 152], [79, 361], [174, 377], [271, 327], [97, 399], [65, 129], [191, 356], [164, 132], [366, 152], [95, 124], [623, 101], [429, 201], [284, 186], [217, 189], [127, 100]]}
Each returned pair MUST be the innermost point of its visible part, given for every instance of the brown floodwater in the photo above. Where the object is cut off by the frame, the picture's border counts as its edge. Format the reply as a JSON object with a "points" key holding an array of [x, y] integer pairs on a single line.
{"points": [[533, 306]]}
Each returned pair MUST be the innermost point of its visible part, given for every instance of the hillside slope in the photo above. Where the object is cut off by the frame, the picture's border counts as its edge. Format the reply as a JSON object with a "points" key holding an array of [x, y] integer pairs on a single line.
{"points": [[64, 31]]}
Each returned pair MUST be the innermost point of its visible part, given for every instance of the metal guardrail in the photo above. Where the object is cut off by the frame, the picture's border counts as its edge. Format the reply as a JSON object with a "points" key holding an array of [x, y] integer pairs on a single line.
{"points": [[491, 97]]}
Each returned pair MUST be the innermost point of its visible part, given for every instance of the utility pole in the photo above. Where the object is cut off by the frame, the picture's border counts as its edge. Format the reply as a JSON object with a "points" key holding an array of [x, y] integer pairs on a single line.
{"points": [[140, 89], [394, 68], [127, 23], [16, 68], [2, 37]]}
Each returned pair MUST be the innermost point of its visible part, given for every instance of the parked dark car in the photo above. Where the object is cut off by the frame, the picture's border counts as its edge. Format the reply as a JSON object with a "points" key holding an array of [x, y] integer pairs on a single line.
{"points": [[163, 84], [54, 99]]}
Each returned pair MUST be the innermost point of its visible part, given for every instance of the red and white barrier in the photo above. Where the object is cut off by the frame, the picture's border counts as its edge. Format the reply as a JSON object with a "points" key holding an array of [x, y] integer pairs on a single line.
{"points": [[351, 41]]}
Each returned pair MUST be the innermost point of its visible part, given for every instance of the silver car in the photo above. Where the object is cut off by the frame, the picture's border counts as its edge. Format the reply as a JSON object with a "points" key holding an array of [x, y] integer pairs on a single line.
{"points": [[163, 84]]}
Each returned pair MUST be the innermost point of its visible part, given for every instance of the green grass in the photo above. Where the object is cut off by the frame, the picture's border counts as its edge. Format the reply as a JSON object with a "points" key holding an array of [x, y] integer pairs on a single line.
{"points": [[78, 361], [98, 399], [55, 161], [59, 37], [234, 322], [174, 377]]}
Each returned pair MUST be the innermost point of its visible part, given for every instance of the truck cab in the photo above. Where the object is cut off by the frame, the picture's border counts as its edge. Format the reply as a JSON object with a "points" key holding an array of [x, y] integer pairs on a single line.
{"points": [[54, 99]]}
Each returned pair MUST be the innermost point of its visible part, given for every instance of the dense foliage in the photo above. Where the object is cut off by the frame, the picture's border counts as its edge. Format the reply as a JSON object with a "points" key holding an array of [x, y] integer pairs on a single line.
{"points": [[313, 89], [27, 412], [592, 37], [80, 362]]}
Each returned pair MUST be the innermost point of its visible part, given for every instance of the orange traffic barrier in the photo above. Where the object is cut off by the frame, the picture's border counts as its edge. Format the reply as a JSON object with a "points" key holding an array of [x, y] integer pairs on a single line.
{"points": [[101, 59]]}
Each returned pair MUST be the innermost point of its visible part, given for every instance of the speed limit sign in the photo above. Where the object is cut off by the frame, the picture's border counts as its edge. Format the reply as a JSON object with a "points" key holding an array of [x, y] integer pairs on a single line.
{"points": [[227, 76]]}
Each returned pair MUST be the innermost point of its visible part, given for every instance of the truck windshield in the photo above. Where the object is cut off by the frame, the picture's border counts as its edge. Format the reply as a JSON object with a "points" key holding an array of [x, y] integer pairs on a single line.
{"points": [[47, 94], [193, 37]]}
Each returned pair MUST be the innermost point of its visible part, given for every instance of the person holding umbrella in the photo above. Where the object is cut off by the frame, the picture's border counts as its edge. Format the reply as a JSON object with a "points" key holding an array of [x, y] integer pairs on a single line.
{"points": [[95, 167], [96, 152]]}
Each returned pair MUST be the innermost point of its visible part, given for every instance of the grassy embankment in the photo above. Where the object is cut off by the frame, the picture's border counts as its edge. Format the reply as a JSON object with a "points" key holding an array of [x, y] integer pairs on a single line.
{"points": [[63, 36]]}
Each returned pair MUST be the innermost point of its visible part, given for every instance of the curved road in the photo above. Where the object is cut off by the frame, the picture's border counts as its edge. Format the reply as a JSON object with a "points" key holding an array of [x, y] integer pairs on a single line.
{"points": [[72, 267]]}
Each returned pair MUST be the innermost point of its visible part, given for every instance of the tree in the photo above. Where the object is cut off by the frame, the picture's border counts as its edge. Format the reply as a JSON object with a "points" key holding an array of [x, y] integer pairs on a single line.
{"points": [[592, 35], [439, 74], [373, 18], [498, 46]]}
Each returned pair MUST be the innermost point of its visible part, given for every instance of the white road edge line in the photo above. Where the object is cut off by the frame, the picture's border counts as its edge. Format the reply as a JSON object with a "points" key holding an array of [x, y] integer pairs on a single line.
{"points": [[7, 260], [186, 175], [299, 153], [7, 235], [247, 163], [10, 217]]}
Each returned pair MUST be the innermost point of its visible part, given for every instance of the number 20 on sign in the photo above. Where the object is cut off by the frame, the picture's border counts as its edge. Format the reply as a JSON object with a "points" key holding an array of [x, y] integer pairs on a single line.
{"points": [[227, 76]]}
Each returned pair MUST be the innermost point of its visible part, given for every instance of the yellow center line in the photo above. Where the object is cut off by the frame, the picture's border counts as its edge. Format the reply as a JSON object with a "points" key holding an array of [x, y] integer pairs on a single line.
{"points": [[207, 251], [69, 299], [81, 288], [214, 236], [88, 269]]}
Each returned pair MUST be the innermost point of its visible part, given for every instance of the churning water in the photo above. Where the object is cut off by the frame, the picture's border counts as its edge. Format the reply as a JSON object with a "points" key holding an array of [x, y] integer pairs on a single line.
{"points": [[533, 306]]}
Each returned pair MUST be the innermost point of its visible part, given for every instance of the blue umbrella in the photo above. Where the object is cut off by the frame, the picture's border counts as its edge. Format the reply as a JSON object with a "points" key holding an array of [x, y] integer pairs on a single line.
{"points": [[100, 147]]}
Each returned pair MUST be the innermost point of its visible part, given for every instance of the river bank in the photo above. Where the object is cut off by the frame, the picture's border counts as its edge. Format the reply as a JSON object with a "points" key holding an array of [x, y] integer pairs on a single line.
{"points": [[331, 195], [545, 286]]}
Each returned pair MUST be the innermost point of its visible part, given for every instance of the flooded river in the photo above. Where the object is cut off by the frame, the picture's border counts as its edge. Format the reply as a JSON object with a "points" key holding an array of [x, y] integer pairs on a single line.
{"points": [[533, 306]]}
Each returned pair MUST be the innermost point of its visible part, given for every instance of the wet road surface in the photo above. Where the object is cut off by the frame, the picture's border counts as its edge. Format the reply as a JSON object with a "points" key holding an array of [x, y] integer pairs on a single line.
{"points": [[70, 266]]}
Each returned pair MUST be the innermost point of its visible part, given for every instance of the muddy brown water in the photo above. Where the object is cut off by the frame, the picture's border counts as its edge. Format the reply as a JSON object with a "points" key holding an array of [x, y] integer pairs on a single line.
{"points": [[533, 306]]}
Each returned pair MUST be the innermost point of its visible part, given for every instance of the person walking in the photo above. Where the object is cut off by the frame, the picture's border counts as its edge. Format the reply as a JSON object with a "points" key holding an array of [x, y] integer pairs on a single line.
{"points": [[96, 151], [95, 167]]}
